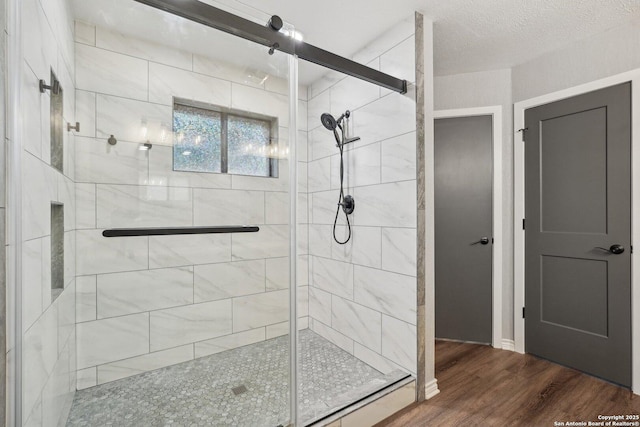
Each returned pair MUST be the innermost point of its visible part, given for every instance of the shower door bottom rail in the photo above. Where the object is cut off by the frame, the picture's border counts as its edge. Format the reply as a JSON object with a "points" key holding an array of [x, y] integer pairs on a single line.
{"points": [[170, 231]]}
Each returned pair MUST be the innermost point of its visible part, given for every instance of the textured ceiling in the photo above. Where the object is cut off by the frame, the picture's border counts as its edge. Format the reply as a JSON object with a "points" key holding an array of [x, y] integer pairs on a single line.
{"points": [[469, 35], [484, 35]]}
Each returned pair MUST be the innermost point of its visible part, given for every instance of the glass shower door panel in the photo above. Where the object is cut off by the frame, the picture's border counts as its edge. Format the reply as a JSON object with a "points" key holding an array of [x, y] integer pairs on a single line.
{"points": [[362, 285], [176, 196]]}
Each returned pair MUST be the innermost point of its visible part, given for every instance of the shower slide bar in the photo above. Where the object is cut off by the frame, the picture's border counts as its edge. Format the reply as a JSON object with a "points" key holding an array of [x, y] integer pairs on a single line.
{"points": [[268, 36], [169, 231]]}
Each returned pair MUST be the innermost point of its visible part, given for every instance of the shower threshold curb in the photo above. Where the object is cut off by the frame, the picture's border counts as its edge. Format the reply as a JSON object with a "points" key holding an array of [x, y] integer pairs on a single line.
{"points": [[341, 413]]}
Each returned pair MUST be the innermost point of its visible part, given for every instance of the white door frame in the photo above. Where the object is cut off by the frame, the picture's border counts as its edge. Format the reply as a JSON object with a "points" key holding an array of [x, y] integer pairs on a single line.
{"points": [[518, 232], [496, 113]]}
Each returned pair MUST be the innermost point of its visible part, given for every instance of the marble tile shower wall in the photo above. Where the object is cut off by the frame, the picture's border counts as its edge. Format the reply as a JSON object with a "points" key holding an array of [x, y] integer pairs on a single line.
{"points": [[362, 295], [148, 302], [49, 339]]}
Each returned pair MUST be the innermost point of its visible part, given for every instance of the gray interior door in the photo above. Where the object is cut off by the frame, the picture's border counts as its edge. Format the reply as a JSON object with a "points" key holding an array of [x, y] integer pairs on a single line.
{"points": [[578, 200], [463, 201]]}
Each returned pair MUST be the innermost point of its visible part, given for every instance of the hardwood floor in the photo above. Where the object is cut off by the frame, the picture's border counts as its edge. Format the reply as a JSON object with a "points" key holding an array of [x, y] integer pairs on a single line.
{"points": [[482, 386]]}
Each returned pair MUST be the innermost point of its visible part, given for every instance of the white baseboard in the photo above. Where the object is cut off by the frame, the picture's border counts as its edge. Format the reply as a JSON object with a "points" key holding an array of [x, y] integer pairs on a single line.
{"points": [[431, 389], [508, 345]]}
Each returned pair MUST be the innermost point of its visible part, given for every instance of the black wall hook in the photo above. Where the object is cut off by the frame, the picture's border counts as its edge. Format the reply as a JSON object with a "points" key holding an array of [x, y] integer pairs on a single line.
{"points": [[54, 88]]}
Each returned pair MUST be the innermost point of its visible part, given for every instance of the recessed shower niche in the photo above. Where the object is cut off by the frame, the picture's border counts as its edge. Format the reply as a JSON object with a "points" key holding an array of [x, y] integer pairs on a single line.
{"points": [[56, 112], [57, 249]]}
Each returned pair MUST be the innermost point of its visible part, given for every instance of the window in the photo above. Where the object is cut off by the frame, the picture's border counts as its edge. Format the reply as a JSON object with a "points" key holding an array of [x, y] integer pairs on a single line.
{"points": [[213, 139]]}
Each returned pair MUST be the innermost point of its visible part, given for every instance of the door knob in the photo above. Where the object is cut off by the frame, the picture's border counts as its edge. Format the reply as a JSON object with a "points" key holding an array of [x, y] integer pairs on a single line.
{"points": [[614, 249], [483, 241]]}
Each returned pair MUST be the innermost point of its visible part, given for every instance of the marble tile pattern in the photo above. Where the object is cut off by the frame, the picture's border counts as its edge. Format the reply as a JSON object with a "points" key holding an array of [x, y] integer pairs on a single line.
{"points": [[107, 340], [389, 293], [184, 296], [279, 329], [227, 280], [362, 324], [364, 247], [101, 163], [86, 298], [254, 311], [320, 305], [400, 61], [277, 273], [228, 342], [182, 250], [103, 71], [126, 368], [167, 82], [399, 250], [48, 315], [132, 120], [189, 323], [333, 276], [363, 294], [399, 341], [228, 207], [335, 337], [424, 144], [199, 392], [143, 49], [119, 294]]}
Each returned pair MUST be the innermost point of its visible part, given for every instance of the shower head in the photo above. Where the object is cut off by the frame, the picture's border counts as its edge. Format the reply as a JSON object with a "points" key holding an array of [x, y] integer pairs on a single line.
{"points": [[328, 121]]}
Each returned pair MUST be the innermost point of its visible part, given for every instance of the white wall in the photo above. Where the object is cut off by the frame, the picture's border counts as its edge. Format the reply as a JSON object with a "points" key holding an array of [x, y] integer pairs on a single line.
{"points": [[481, 89], [362, 296], [148, 302], [606, 54], [48, 376]]}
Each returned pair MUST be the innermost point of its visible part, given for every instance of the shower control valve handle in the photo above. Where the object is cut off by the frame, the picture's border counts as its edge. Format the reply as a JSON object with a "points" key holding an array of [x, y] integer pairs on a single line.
{"points": [[348, 205]]}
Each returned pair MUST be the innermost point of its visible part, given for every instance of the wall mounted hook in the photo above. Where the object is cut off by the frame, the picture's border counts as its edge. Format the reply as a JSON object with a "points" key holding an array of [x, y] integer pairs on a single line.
{"points": [[112, 140], [54, 88]]}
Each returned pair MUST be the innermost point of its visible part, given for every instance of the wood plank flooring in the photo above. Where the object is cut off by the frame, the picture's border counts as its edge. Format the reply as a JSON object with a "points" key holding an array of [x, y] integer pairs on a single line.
{"points": [[482, 386]]}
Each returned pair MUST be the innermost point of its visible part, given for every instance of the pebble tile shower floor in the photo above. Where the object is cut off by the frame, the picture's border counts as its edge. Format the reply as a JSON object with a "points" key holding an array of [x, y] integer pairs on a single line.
{"points": [[201, 392]]}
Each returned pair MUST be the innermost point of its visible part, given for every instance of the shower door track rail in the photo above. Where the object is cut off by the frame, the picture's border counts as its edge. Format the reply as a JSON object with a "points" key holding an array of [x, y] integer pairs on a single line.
{"points": [[222, 20], [170, 231]]}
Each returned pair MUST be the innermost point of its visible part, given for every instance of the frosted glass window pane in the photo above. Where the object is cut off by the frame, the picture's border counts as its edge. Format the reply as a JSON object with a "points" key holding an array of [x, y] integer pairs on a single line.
{"points": [[222, 141], [249, 146], [197, 139]]}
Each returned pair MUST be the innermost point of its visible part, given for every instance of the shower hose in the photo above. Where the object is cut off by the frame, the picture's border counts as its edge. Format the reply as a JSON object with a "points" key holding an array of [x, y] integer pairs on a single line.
{"points": [[341, 201]]}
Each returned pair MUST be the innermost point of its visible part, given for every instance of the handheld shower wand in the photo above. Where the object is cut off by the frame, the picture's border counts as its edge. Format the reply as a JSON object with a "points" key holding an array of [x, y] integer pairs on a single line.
{"points": [[347, 203], [330, 123]]}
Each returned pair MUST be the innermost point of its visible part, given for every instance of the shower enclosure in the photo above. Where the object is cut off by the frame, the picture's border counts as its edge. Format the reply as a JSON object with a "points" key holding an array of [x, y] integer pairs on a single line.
{"points": [[170, 234]]}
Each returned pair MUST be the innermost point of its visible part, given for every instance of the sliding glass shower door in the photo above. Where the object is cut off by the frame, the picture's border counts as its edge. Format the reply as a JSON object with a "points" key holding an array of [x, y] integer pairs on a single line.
{"points": [[156, 231]]}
